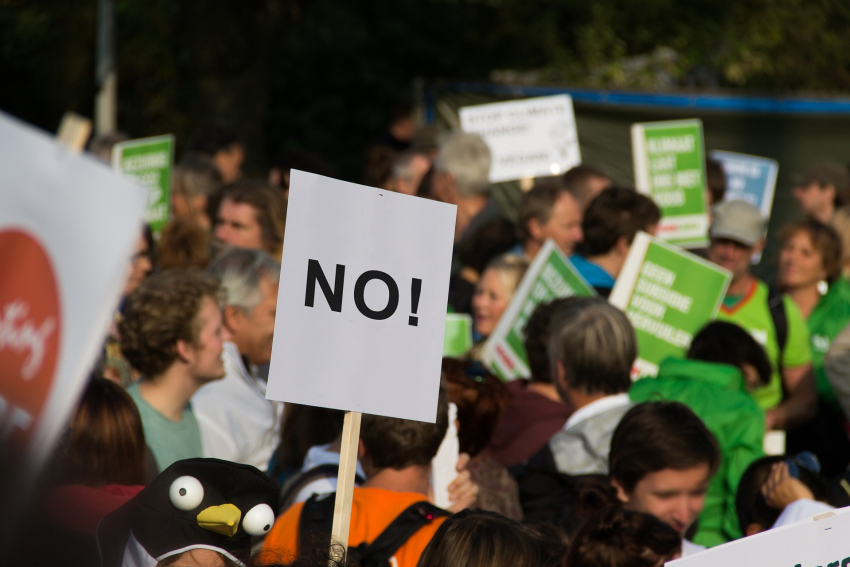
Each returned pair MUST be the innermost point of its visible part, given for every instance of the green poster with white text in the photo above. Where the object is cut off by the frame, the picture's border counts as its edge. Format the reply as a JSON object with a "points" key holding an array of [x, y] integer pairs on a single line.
{"points": [[668, 295], [669, 162], [149, 161], [550, 276]]}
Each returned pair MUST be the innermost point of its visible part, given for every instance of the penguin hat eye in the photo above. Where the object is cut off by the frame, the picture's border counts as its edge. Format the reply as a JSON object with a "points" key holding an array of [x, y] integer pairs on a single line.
{"points": [[186, 493], [259, 520]]}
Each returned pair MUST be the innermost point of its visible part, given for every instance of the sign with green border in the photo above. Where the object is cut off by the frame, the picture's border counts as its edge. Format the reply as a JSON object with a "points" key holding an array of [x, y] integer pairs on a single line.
{"points": [[149, 161]]}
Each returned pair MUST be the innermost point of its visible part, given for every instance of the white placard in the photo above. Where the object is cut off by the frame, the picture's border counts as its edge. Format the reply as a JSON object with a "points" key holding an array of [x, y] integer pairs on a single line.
{"points": [[534, 137], [347, 333], [67, 229], [818, 541]]}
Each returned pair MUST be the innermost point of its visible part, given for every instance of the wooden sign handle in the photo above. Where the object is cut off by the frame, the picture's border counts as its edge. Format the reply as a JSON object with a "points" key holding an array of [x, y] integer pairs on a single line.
{"points": [[74, 132], [345, 481]]}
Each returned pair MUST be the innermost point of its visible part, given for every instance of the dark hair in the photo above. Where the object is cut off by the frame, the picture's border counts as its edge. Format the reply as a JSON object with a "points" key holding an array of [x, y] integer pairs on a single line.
{"points": [[536, 333], [478, 538], [727, 343], [654, 436], [537, 205], [616, 537], [751, 506], [715, 179], [613, 214], [183, 244], [576, 181], [211, 138], [487, 243], [304, 161], [107, 443], [269, 204], [379, 166], [302, 428], [161, 311], [596, 345], [826, 241], [400, 443], [481, 399]]}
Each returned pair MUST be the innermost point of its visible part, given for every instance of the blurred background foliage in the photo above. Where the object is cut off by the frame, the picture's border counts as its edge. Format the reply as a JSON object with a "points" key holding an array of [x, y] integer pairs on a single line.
{"points": [[322, 75]]}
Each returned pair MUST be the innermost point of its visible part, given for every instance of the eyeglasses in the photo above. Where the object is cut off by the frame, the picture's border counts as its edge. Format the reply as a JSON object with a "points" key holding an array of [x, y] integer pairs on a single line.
{"points": [[806, 460]]}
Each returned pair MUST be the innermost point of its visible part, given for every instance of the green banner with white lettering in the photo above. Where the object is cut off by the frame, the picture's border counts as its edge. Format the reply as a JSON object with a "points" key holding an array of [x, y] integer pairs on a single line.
{"points": [[669, 161], [149, 161], [550, 276], [668, 294]]}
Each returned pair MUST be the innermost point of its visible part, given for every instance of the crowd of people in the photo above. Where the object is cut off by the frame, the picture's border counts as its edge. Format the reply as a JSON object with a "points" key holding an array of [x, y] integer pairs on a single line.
{"points": [[174, 456]]}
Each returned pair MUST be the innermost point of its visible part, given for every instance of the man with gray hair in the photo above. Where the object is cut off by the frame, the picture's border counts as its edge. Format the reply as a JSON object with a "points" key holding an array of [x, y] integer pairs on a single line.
{"points": [[461, 177], [408, 170], [237, 422], [592, 347]]}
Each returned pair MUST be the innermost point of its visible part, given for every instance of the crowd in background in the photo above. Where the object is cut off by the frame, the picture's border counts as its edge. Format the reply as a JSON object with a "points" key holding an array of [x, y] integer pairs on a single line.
{"points": [[576, 464]]}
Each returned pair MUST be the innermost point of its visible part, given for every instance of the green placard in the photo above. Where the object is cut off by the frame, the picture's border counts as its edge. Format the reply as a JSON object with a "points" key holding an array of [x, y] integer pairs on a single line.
{"points": [[668, 295], [669, 161], [550, 276], [458, 338], [149, 161]]}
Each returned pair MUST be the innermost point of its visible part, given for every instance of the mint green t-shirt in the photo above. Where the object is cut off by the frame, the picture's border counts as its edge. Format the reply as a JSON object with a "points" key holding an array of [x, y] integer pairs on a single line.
{"points": [[753, 315], [169, 441]]}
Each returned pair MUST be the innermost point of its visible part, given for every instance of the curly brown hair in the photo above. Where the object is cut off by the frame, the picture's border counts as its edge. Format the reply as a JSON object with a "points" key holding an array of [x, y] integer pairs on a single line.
{"points": [[161, 311]]}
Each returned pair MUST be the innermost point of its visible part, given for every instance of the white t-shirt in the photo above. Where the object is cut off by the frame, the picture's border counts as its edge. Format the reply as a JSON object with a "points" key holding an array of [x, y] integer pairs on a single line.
{"points": [[691, 548], [316, 456]]}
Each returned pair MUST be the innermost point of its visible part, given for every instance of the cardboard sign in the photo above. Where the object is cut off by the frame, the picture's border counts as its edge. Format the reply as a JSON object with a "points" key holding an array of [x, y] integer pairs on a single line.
{"points": [[362, 299], [67, 229], [550, 276], [749, 178], [669, 163], [149, 161], [668, 295], [820, 541], [529, 138], [458, 338]]}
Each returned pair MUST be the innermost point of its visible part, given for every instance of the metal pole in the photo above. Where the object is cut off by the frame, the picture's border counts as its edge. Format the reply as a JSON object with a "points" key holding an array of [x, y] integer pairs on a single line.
{"points": [[106, 103]]}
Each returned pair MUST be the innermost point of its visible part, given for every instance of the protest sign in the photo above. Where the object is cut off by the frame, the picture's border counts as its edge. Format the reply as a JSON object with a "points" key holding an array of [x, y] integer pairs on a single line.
{"points": [[820, 541], [149, 161], [749, 178], [528, 138], [669, 163], [73, 132], [668, 295], [67, 229], [362, 299], [550, 276], [458, 338]]}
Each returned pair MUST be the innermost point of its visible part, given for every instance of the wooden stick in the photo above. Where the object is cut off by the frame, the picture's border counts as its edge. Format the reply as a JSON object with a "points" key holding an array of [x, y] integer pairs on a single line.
{"points": [[345, 481], [74, 132]]}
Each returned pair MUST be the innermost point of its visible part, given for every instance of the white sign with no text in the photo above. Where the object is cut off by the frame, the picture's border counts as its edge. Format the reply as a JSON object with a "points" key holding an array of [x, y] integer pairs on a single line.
{"points": [[362, 300], [528, 138]]}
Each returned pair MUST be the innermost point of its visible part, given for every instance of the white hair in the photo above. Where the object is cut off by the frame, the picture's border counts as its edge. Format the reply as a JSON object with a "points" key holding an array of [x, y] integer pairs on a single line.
{"points": [[467, 158], [240, 271]]}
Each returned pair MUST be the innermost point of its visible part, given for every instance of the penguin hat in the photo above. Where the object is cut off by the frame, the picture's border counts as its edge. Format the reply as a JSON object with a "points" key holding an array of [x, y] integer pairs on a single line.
{"points": [[193, 504]]}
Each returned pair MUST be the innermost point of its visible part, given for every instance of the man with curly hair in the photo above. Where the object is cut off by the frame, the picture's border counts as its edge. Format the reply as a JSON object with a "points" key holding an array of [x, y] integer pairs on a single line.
{"points": [[172, 334]]}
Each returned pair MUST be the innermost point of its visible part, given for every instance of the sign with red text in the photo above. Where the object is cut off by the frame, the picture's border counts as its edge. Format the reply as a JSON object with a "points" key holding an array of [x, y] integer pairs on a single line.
{"points": [[361, 312], [67, 229]]}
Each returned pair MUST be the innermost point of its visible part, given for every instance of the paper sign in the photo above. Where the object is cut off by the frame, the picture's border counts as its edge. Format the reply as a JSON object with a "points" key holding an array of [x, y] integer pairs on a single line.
{"points": [[67, 229], [550, 276], [362, 299], [458, 339], [820, 541], [669, 163], [149, 161], [444, 463], [668, 295], [528, 138], [749, 178]]}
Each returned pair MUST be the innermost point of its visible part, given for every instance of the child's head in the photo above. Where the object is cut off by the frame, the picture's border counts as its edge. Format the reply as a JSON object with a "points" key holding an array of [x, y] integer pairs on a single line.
{"points": [[755, 515], [726, 343]]}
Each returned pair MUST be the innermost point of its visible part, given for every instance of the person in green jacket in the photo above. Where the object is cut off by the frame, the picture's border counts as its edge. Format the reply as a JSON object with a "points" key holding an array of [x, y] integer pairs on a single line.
{"points": [[723, 364], [810, 275]]}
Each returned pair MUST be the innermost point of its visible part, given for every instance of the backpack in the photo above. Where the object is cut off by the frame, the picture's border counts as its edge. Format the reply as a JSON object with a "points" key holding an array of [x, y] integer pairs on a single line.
{"points": [[780, 321], [297, 482], [314, 527]]}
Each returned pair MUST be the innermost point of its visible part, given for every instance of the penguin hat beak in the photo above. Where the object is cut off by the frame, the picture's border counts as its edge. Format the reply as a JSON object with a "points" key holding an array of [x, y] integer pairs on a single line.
{"points": [[222, 519]]}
